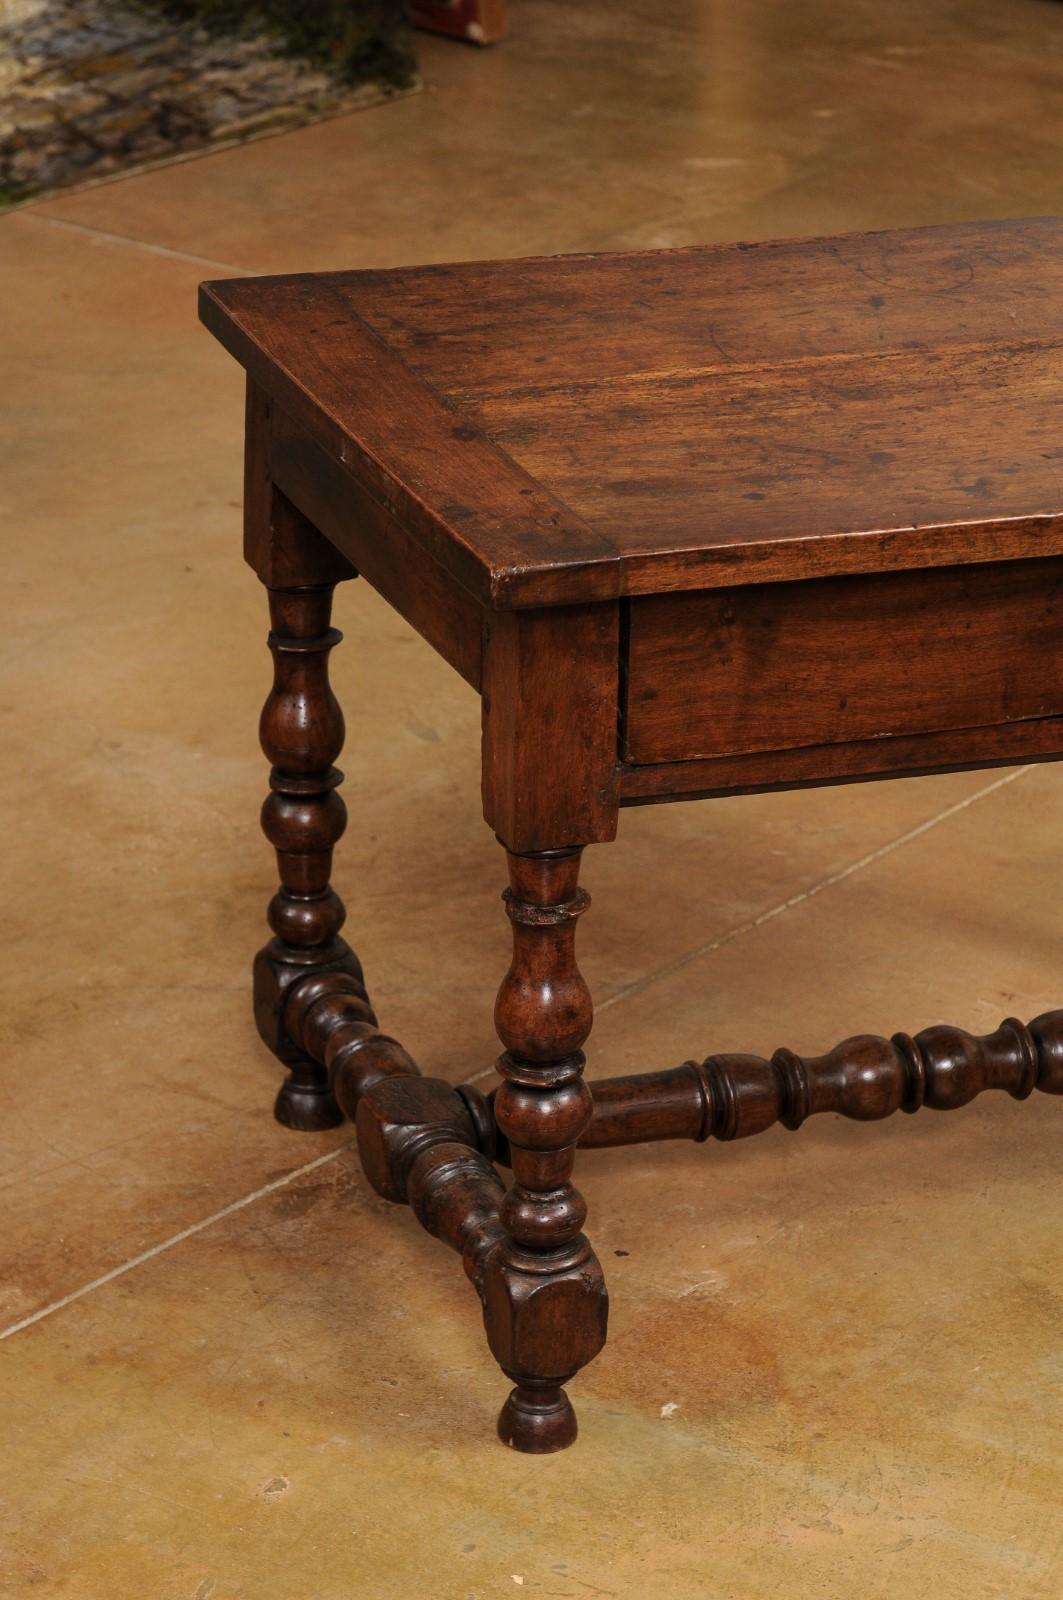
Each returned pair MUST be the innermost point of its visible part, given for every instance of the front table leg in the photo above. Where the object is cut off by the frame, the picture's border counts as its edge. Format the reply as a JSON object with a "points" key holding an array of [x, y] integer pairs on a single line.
{"points": [[545, 1300]]}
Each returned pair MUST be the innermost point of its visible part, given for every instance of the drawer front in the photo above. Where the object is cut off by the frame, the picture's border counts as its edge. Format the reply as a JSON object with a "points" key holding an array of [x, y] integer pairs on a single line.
{"points": [[785, 665]]}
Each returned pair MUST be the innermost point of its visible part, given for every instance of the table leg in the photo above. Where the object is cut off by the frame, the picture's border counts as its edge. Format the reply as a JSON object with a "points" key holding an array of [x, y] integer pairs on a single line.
{"points": [[545, 1307], [301, 732]]}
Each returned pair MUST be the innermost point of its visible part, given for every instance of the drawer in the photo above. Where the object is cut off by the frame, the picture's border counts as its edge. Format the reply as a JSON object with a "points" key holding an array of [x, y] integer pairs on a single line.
{"points": [[781, 666]]}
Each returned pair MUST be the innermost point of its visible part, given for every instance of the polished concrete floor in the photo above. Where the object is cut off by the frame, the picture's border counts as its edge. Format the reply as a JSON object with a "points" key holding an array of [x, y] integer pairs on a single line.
{"points": [[234, 1374]]}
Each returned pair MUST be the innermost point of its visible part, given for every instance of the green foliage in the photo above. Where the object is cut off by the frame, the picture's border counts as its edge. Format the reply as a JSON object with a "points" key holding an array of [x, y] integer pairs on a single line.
{"points": [[359, 40], [12, 193]]}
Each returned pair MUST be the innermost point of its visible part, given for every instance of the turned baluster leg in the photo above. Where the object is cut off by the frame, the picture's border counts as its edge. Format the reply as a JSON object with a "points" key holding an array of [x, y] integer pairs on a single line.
{"points": [[543, 1016], [551, 690], [302, 734]]}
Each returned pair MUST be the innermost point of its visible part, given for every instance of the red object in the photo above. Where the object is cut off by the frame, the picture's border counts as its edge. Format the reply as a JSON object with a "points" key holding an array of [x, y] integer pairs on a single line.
{"points": [[478, 21]]}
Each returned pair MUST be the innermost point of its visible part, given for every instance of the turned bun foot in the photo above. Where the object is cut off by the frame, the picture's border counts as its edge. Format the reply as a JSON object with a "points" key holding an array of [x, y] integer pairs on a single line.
{"points": [[308, 1108], [538, 1421]]}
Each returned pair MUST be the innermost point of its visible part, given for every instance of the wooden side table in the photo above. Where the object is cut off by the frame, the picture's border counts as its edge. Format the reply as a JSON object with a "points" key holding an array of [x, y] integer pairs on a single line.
{"points": [[693, 522]]}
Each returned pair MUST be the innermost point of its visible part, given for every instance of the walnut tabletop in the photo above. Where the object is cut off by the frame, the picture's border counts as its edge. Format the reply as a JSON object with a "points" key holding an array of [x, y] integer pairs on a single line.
{"points": [[691, 522], [581, 427]]}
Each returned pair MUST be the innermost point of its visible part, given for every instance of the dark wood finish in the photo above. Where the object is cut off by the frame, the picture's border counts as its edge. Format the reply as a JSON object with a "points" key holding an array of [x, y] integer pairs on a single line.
{"points": [[417, 586], [553, 1284], [568, 429], [400, 1116], [428, 1145], [465, 502], [328, 1015], [550, 693], [301, 732], [843, 660], [280, 544], [558, 322], [861, 762], [421, 1142], [865, 1078], [692, 522]]}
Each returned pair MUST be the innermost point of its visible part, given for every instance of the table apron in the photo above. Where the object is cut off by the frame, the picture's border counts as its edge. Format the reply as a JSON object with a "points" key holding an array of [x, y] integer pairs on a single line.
{"points": [[846, 677], [373, 538]]}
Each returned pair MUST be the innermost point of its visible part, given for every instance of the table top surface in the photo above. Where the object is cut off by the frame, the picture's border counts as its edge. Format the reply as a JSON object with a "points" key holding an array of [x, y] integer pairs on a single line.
{"points": [[572, 428]]}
